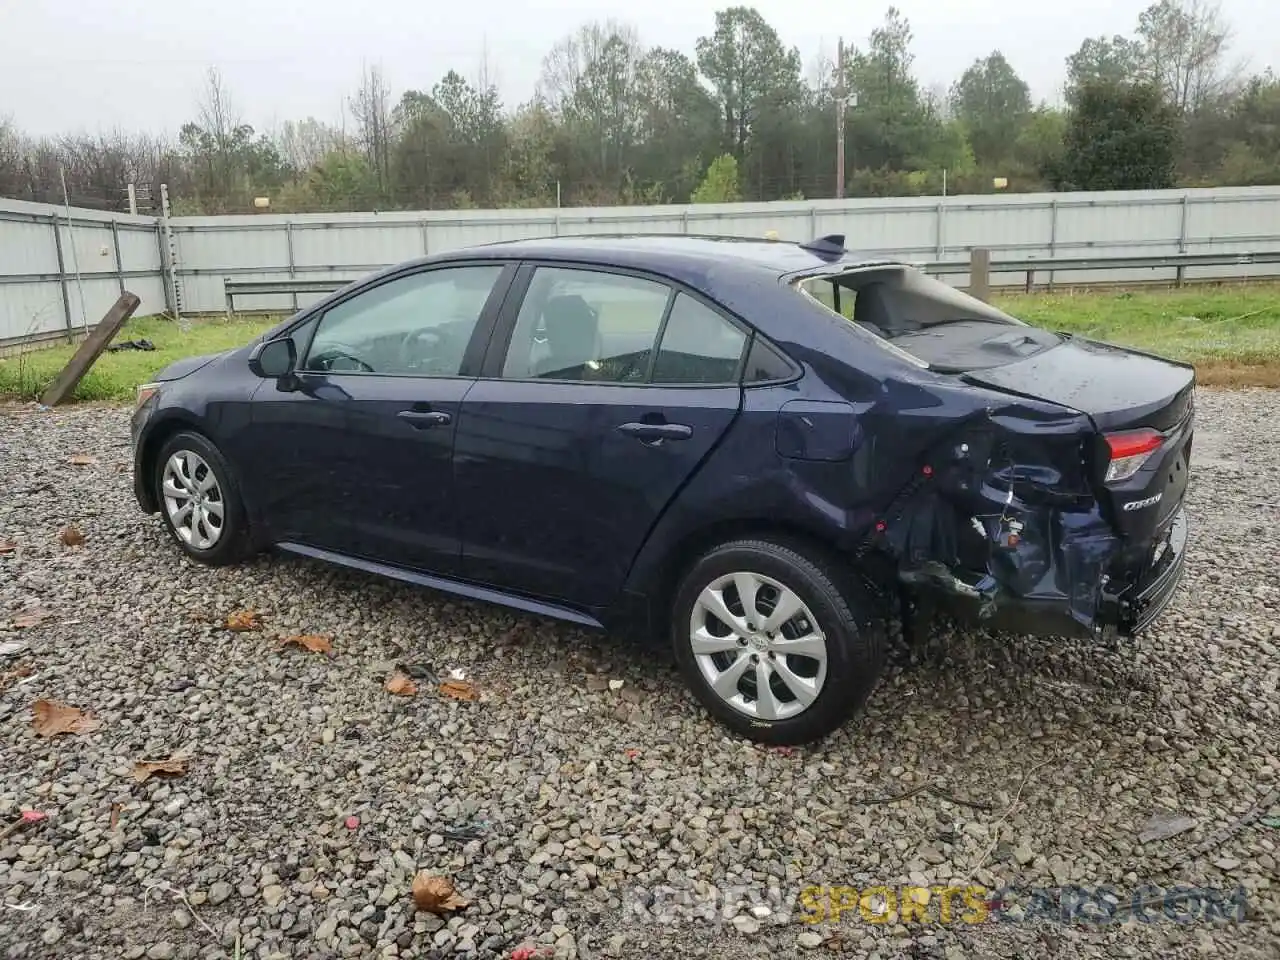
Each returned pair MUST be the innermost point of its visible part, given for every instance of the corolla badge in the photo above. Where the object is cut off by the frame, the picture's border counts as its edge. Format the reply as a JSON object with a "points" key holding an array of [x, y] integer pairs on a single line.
{"points": [[1139, 504]]}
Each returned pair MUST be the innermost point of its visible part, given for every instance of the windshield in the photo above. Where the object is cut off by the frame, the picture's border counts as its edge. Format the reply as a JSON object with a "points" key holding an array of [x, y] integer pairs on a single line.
{"points": [[890, 301]]}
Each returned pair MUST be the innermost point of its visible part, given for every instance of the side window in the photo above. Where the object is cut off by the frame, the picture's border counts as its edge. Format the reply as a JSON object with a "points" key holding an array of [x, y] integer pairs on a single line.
{"points": [[418, 325], [586, 325], [698, 346], [765, 364]]}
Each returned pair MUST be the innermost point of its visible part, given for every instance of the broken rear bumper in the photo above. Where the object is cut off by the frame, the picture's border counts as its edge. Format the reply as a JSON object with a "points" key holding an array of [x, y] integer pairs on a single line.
{"points": [[1134, 609], [1123, 603]]}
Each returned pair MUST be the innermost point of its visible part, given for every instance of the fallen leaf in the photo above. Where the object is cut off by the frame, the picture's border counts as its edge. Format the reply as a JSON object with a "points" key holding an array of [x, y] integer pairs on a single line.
{"points": [[458, 690], [7, 547], [435, 894], [244, 620], [50, 718], [309, 641], [144, 770], [16, 673], [400, 684], [115, 816], [71, 536], [82, 460], [1163, 826], [32, 618]]}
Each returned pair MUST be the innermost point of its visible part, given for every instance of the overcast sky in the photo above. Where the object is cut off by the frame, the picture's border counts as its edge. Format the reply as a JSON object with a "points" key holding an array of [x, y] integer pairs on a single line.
{"points": [[95, 65]]}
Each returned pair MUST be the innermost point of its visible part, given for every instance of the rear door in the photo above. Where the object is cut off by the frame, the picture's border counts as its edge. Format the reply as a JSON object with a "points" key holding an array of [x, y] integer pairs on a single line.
{"points": [[355, 455], [602, 393]]}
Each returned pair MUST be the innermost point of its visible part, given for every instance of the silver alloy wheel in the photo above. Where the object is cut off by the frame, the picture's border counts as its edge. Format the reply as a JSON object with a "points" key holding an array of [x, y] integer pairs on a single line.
{"points": [[193, 500], [758, 646]]}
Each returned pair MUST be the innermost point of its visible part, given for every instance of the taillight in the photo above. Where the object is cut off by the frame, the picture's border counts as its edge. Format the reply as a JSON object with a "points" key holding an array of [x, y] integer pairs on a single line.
{"points": [[1129, 451]]}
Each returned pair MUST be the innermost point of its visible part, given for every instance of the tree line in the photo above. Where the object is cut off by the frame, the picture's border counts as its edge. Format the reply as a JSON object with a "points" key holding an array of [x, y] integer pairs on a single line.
{"points": [[615, 122]]}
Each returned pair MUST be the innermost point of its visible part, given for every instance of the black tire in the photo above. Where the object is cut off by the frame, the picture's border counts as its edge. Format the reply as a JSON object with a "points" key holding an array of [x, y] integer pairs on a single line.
{"points": [[845, 614], [232, 544]]}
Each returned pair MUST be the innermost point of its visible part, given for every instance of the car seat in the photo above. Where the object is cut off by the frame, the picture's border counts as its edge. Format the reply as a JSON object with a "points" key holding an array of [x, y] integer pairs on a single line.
{"points": [[572, 329], [870, 311]]}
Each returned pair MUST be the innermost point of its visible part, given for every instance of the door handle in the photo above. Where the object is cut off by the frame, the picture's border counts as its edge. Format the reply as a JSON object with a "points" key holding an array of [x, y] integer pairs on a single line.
{"points": [[424, 419], [656, 432]]}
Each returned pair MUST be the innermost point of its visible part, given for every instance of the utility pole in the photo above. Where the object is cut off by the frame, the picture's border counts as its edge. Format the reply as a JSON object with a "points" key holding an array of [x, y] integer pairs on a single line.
{"points": [[840, 100]]}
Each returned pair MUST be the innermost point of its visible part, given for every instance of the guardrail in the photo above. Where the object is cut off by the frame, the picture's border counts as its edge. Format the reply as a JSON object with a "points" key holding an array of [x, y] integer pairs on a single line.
{"points": [[979, 267], [234, 288]]}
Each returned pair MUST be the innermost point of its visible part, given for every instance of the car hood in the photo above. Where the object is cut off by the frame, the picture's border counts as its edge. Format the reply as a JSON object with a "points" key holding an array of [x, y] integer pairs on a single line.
{"points": [[187, 366]]}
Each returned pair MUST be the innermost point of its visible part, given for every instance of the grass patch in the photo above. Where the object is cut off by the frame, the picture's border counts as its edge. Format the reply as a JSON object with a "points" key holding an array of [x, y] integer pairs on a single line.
{"points": [[116, 375], [1231, 334]]}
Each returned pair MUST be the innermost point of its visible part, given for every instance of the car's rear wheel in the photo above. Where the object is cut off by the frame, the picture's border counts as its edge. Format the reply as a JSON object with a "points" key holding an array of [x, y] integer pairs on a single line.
{"points": [[776, 643], [199, 500]]}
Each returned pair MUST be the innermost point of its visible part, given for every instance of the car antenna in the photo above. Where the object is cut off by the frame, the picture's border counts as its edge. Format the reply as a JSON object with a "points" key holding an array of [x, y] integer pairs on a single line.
{"points": [[829, 248]]}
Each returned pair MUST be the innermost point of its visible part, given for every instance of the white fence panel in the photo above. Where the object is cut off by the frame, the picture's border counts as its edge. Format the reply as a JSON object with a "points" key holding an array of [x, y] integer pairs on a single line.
{"points": [[345, 246]]}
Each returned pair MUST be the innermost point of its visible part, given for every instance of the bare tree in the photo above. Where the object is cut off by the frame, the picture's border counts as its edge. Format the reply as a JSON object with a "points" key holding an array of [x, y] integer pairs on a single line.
{"points": [[371, 110], [12, 152], [1185, 43], [304, 143], [213, 141]]}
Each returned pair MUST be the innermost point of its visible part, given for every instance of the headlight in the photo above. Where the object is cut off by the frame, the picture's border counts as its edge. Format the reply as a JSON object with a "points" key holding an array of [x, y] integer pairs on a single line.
{"points": [[145, 392]]}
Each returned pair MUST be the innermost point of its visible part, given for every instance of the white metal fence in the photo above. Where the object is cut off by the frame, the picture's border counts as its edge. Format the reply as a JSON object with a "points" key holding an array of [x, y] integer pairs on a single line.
{"points": [[58, 273], [38, 284]]}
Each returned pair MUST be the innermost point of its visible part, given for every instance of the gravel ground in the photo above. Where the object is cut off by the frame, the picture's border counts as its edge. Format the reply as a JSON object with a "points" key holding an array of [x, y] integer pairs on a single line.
{"points": [[586, 818]]}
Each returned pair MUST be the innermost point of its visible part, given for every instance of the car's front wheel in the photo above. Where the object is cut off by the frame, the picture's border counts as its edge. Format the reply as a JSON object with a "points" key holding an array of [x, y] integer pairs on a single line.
{"points": [[777, 644], [199, 500]]}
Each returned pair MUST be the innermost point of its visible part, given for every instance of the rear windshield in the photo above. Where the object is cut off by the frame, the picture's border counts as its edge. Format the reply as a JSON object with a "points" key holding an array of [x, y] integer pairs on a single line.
{"points": [[929, 320]]}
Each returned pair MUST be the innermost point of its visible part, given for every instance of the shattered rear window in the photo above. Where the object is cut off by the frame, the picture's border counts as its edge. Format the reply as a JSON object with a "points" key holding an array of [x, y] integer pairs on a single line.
{"points": [[929, 321]]}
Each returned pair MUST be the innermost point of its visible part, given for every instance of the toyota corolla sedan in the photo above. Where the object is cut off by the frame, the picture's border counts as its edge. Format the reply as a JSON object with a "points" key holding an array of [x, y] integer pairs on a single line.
{"points": [[763, 450]]}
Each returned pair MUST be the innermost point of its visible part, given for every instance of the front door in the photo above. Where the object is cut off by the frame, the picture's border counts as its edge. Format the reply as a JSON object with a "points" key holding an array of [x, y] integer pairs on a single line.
{"points": [[613, 390], [356, 456]]}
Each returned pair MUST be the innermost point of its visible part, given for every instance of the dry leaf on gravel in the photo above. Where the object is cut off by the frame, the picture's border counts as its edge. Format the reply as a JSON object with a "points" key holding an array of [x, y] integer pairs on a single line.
{"points": [[309, 641], [71, 535], [143, 770], [13, 674], [7, 547], [50, 718], [82, 460], [435, 894], [458, 690], [244, 620], [32, 617], [401, 685]]}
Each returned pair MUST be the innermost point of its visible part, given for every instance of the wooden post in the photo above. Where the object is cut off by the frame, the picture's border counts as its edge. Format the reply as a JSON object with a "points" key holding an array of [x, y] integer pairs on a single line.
{"points": [[980, 273], [90, 349]]}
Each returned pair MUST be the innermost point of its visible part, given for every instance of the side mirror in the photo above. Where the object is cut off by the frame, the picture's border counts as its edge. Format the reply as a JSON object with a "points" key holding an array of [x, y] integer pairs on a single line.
{"points": [[274, 359]]}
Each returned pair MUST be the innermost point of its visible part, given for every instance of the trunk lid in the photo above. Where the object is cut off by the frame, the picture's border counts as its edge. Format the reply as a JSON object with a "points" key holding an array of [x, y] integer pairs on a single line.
{"points": [[1124, 392], [1118, 388]]}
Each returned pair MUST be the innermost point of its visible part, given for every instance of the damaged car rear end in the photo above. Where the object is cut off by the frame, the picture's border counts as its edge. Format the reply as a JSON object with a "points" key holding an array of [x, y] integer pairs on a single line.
{"points": [[1043, 483]]}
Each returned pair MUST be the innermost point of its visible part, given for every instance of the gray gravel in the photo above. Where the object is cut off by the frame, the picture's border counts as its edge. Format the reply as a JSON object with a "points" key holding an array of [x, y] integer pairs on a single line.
{"points": [[568, 810]]}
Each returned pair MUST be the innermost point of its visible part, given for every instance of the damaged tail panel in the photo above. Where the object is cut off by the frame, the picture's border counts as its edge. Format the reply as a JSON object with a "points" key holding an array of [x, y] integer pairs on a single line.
{"points": [[1008, 519]]}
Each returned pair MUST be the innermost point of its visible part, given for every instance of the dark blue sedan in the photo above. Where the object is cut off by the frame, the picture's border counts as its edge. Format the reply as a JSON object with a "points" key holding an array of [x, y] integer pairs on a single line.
{"points": [[766, 450]]}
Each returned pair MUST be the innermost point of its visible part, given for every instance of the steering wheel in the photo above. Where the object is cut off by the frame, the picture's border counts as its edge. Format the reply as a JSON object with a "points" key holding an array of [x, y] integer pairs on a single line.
{"points": [[418, 348], [334, 351]]}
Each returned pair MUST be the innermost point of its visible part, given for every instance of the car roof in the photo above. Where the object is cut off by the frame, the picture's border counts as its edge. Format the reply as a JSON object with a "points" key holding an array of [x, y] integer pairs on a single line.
{"points": [[681, 256]]}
